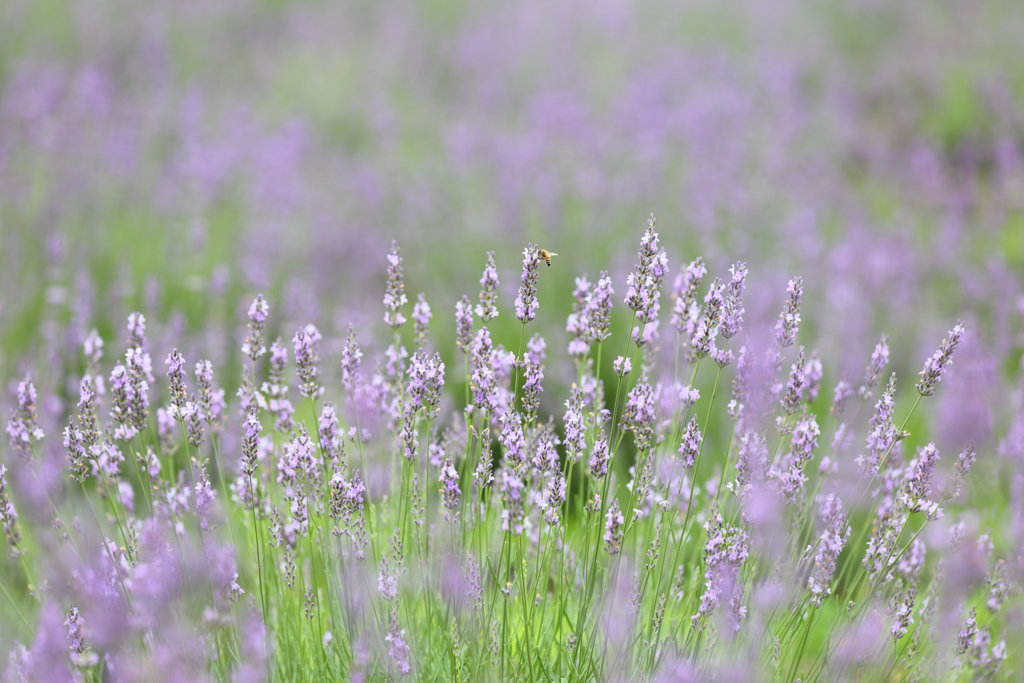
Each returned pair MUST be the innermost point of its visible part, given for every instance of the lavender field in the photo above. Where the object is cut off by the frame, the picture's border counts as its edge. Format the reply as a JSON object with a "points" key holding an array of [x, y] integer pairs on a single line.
{"points": [[451, 341]]}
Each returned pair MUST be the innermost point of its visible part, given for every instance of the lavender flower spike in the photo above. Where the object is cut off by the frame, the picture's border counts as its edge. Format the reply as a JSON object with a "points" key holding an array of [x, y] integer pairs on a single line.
{"points": [[613, 528], [251, 442], [789, 320], [487, 309], [464, 324], [936, 366], [181, 409], [421, 318], [732, 314], [526, 301], [308, 359], [450, 491], [253, 346], [8, 515], [394, 291], [23, 429]]}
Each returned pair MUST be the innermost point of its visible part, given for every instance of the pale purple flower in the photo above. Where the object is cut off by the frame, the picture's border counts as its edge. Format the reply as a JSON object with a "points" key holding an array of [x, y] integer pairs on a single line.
{"points": [[204, 499], [917, 483], [812, 377], [23, 429], [251, 443], [76, 453], [211, 398], [483, 379], [575, 430], [513, 496], [791, 475], [789, 320], [554, 496], [883, 434], [873, 373], [935, 367], [638, 415], [732, 311], [707, 327], [622, 366], [526, 301], [307, 359], [613, 528], [76, 639], [599, 309], [904, 615], [137, 342], [253, 346], [725, 552], [513, 441], [181, 408], [740, 389], [398, 650], [961, 469], [643, 284], [93, 349], [830, 544], [686, 309], [533, 374], [689, 446], [394, 291], [487, 309], [795, 386], [464, 324], [276, 388], [841, 394], [721, 357], [8, 515], [426, 380], [599, 457], [421, 318], [450, 491], [577, 323]]}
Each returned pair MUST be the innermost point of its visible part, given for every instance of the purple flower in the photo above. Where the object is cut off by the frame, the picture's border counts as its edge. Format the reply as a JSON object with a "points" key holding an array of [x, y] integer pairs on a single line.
{"points": [[638, 415], [622, 366], [883, 434], [643, 286], [599, 458], [805, 440], [613, 528], [732, 312], [690, 445], [598, 312], [137, 342], [93, 349], [23, 429], [686, 310], [75, 624], [307, 359], [714, 302], [421, 318], [795, 385], [464, 324], [204, 499], [554, 496], [487, 309], [725, 552], [577, 324], [575, 430], [181, 409], [483, 379], [513, 441], [812, 377], [450, 491], [394, 291], [789, 320], [873, 373], [513, 514], [936, 366], [211, 398], [8, 515], [533, 374], [526, 301], [351, 358], [830, 544], [251, 443], [76, 453], [917, 483], [841, 394], [258, 312], [276, 388], [721, 357]]}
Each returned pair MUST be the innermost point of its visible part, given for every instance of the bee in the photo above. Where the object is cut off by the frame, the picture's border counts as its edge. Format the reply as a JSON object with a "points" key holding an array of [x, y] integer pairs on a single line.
{"points": [[546, 255]]}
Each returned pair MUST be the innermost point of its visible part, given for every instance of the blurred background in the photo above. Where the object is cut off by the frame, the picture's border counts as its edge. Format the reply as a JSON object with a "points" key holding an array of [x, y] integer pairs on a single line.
{"points": [[177, 158]]}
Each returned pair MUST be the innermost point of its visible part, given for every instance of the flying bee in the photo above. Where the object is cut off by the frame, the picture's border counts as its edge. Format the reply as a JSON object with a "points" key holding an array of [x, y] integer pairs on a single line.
{"points": [[546, 255]]}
